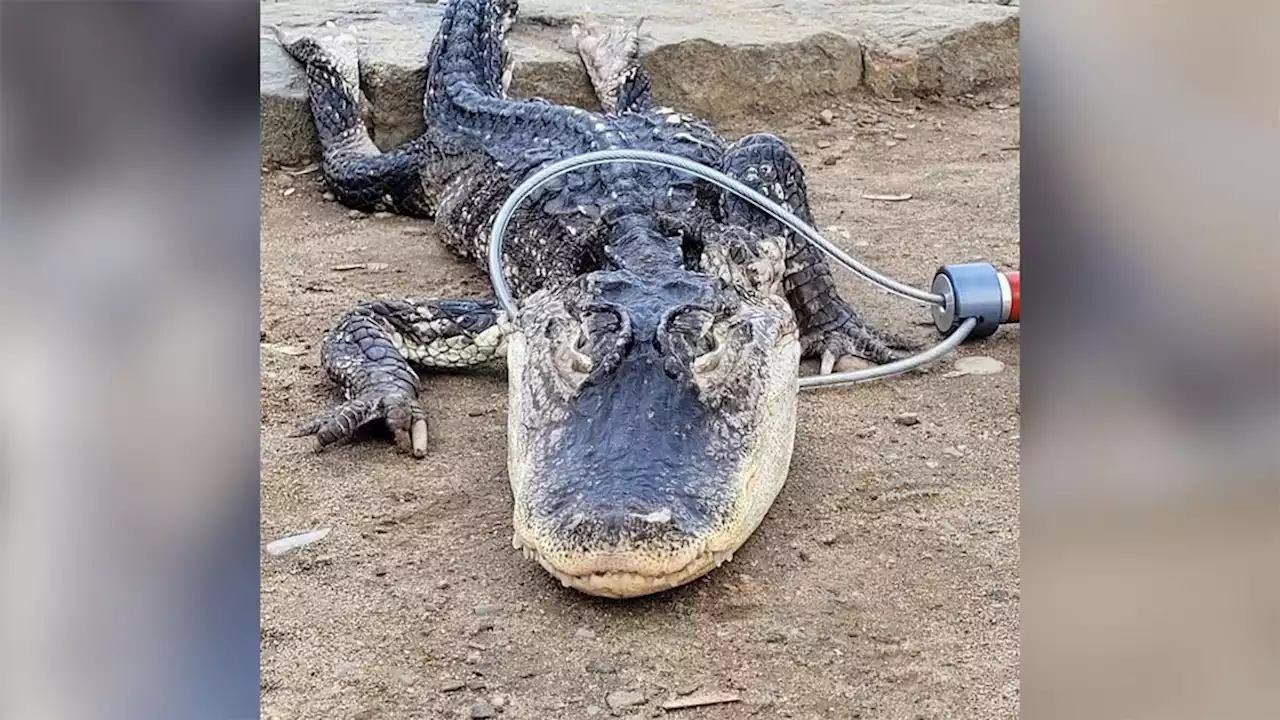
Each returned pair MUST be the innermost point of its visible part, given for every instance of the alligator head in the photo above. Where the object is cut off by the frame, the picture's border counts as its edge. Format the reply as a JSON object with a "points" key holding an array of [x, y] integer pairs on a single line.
{"points": [[652, 418]]}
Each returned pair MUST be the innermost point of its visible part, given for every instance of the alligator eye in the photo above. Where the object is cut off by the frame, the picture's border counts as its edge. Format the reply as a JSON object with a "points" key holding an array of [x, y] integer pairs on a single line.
{"points": [[579, 360], [711, 356]]}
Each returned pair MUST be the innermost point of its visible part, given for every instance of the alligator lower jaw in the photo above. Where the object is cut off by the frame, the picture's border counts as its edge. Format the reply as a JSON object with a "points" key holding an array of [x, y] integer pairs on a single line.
{"points": [[622, 585]]}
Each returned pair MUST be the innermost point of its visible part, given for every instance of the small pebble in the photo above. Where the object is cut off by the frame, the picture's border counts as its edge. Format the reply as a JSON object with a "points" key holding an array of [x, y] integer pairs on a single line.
{"points": [[826, 117], [899, 136], [289, 191], [824, 144], [891, 143], [442, 585], [498, 701], [827, 540], [482, 709], [328, 197], [355, 214], [953, 452], [619, 699], [831, 160], [382, 215], [593, 710], [487, 609], [907, 419], [585, 634], [931, 464], [601, 667]]}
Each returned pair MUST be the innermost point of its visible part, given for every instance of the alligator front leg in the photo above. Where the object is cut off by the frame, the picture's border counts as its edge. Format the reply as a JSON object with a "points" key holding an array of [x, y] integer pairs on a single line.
{"points": [[370, 354], [830, 329]]}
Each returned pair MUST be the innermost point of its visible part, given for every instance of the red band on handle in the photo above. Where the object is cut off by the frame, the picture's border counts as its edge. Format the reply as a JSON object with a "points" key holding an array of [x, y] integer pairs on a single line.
{"points": [[1015, 290]]}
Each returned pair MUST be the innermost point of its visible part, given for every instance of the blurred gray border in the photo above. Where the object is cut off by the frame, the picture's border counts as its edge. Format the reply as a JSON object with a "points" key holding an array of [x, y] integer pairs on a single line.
{"points": [[128, 269]]}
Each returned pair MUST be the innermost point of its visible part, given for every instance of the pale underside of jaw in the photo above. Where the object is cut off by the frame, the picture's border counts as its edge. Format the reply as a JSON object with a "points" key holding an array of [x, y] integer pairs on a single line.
{"points": [[620, 585]]}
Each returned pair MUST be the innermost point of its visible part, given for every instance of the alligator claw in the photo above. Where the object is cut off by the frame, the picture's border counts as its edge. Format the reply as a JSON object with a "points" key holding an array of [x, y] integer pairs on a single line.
{"points": [[403, 414], [855, 346], [831, 362]]}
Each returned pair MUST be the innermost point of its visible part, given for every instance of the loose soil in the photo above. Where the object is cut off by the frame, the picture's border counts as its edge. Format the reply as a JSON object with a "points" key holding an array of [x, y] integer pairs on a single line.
{"points": [[882, 584]]}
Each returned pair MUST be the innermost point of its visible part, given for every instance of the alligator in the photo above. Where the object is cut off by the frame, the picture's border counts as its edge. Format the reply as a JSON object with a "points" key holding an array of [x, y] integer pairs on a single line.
{"points": [[654, 361]]}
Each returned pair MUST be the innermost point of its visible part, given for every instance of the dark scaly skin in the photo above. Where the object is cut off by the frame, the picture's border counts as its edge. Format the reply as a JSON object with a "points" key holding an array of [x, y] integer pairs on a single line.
{"points": [[480, 145], [640, 288], [367, 355]]}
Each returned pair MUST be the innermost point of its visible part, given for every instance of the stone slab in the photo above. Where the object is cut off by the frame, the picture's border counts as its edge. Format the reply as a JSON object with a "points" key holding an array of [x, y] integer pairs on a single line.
{"points": [[720, 59]]}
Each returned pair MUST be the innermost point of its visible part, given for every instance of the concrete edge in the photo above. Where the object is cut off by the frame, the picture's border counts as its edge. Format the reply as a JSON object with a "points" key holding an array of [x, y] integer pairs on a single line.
{"points": [[718, 82]]}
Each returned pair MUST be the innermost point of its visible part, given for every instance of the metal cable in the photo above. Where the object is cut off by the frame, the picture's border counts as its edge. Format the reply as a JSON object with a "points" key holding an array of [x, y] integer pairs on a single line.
{"points": [[778, 212]]}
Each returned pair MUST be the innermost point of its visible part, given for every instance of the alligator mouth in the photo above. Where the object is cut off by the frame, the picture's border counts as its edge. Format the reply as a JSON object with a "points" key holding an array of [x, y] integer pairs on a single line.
{"points": [[621, 584]]}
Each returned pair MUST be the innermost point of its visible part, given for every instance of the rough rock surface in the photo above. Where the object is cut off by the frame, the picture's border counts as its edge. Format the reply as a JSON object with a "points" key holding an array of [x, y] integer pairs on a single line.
{"points": [[719, 58]]}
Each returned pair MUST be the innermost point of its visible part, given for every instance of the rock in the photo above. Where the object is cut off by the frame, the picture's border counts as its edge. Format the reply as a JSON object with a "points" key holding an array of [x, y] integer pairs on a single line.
{"points": [[355, 214], [584, 634], [907, 419], [794, 53], [826, 117], [953, 452], [442, 585], [366, 714], [482, 709], [328, 196], [619, 699], [487, 609], [975, 365], [382, 215], [593, 710], [499, 702], [937, 49], [601, 667], [823, 144], [831, 160]]}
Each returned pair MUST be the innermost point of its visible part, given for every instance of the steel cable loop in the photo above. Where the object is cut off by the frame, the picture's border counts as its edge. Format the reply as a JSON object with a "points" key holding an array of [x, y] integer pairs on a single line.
{"points": [[778, 212]]}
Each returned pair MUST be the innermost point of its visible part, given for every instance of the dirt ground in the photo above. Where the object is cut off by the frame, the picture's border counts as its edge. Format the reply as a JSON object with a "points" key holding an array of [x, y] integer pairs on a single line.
{"points": [[883, 583]]}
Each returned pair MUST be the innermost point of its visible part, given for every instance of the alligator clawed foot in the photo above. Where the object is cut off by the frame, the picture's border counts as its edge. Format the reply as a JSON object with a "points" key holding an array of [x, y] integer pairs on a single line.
{"points": [[404, 416], [855, 347], [610, 55]]}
